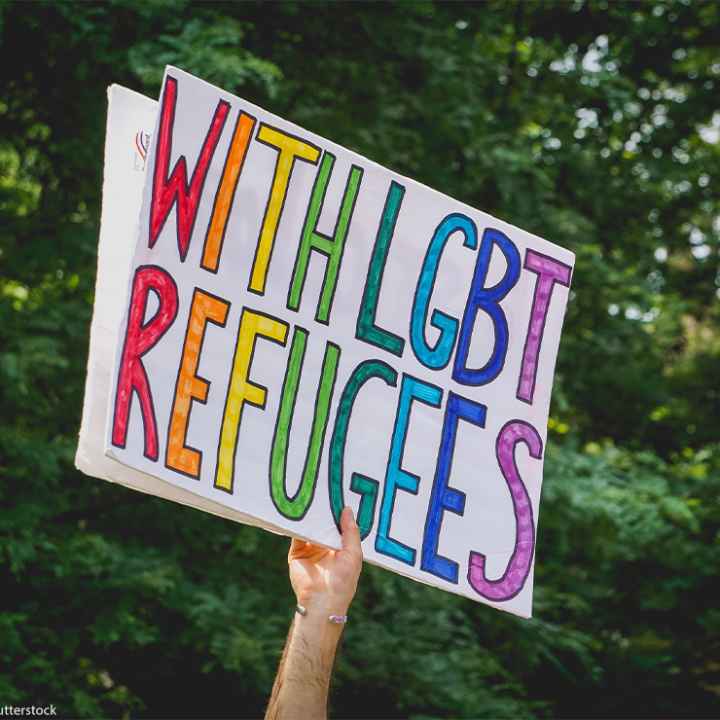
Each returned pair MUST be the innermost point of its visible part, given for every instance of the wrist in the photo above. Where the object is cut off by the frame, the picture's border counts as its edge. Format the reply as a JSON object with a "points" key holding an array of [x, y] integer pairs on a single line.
{"points": [[312, 621], [323, 604]]}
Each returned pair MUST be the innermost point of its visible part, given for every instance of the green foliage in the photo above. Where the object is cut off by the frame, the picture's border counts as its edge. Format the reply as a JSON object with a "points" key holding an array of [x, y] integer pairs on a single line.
{"points": [[213, 49], [591, 123]]}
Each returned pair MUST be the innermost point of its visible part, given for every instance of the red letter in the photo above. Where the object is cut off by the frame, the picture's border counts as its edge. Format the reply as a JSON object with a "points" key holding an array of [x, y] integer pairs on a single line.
{"points": [[140, 337], [518, 568], [174, 188]]}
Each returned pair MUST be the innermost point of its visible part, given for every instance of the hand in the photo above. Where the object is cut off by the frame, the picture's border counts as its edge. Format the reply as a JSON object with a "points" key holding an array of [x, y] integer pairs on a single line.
{"points": [[327, 578]]}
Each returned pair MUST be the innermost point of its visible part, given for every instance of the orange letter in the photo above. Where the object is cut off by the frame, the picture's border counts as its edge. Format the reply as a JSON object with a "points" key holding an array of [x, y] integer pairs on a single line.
{"points": [[189, 386], [226, 192]]}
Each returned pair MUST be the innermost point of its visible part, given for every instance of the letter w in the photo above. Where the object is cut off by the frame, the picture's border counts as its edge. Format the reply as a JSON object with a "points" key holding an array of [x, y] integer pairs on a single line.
{"points": [[169, 189]]}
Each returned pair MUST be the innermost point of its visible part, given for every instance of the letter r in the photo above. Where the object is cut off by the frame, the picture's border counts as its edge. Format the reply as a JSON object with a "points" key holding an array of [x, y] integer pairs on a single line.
{"points": [[140, 338]]}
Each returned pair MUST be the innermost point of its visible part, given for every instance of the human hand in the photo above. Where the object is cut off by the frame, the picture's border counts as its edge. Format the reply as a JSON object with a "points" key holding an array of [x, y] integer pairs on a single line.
{"points": [[327, 578]]}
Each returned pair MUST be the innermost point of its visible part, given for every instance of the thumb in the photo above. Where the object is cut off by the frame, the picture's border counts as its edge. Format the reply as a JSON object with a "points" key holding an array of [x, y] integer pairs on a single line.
{"points": [[350, 532]]}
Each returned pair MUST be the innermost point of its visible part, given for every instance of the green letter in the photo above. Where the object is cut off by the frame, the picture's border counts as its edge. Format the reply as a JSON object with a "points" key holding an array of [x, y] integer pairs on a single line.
{"points": [[332, 247], [366, 329], [295, 507], [364, 486]]}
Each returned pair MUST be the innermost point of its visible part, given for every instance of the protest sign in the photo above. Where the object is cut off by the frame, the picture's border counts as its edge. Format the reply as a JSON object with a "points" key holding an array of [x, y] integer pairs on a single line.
{"points": [[305, 329]]}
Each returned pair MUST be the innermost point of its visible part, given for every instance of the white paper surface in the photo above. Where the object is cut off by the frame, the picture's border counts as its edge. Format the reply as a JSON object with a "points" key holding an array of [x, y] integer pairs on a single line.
{"points": [[494, 523]]}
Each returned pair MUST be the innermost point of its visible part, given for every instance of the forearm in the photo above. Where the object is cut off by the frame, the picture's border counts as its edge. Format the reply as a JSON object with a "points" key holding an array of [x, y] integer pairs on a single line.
{"points": [[303, 679], [324, 582]]}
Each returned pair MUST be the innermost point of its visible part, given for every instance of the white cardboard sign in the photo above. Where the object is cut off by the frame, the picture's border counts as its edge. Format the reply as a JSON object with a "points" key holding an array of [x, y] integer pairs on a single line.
{"points": [[286, 327]]}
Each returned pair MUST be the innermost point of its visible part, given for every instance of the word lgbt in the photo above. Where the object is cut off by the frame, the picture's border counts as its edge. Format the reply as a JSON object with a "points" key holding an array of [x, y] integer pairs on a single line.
{"points": [[438, 342]]}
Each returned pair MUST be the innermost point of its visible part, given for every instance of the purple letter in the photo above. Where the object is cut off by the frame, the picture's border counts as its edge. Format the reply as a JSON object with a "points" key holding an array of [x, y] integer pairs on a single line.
{"points": [[513, 579], [550, 271]]}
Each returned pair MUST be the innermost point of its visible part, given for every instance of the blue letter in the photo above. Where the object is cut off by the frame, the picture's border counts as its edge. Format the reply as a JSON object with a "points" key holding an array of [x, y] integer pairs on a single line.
{"points": [[444, 497], [437, 357], [395, 477], [487, 299]]}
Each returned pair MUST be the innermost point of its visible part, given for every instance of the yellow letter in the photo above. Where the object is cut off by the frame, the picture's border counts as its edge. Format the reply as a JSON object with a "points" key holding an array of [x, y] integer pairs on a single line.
{"points": [[290, 149], [242, 390]]}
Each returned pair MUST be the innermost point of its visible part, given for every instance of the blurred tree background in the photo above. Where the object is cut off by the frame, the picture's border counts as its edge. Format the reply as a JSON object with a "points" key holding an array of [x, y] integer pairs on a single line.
{"points": [[594, 124]]}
